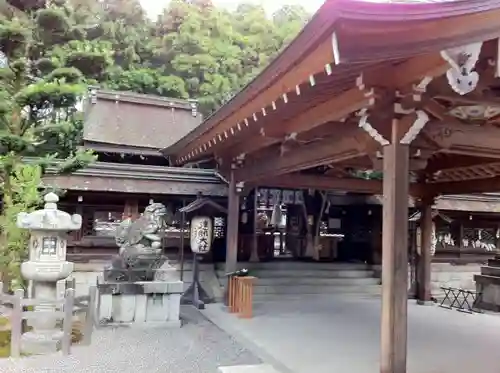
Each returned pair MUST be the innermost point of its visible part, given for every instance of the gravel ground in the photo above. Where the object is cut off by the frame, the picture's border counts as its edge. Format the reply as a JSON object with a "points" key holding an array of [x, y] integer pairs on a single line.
{"points": [[197, 347]]}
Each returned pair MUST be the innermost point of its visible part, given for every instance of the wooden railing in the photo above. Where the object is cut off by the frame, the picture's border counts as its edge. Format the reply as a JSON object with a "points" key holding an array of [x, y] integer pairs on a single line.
{"points": [[65, 309], [240, 296]]}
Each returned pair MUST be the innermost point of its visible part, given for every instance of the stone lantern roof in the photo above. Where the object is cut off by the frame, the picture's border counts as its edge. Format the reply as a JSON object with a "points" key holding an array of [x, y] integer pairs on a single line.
{"points": [[49, 218]]}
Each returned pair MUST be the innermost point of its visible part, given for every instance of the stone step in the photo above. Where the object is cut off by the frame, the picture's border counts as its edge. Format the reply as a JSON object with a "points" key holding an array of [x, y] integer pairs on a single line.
{"points": [[316, 289], [319, 273], [264, 298], [316, 281], [490, 271], [494, 263], [261, 368], [294, 265], [483, 279]]}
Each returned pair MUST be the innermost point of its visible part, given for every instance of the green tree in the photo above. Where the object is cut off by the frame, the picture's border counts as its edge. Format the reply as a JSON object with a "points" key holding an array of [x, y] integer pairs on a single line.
{"points": [[289, 21], [40, 88], [25, 181]]}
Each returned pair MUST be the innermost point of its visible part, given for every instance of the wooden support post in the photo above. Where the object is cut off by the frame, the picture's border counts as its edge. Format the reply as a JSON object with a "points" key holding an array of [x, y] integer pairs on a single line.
{"points": [[254, 256], [131, 209], [425, 258], [395, 255], [232, 226]]}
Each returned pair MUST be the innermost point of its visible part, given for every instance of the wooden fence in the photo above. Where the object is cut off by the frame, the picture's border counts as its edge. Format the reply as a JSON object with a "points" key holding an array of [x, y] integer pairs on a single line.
{"points": [[65, 309]]}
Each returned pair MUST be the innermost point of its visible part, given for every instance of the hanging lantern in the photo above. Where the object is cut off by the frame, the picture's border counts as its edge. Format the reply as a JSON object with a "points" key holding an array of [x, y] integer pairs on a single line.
{"points": [[201, 234], [276, 216]]}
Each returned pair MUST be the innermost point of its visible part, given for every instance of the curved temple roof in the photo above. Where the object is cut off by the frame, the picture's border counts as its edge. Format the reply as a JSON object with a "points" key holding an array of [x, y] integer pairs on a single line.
{"points": [[348, 38]]}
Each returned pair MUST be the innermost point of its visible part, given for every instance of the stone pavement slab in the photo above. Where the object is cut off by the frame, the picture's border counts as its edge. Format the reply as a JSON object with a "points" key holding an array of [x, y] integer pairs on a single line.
{"points": [[337, 334], [198, 347]]}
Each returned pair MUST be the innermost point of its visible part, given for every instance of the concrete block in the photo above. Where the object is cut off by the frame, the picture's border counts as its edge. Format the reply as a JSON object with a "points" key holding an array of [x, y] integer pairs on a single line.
{"points": [[176, 287], [152, 287], [105, 307], [155, 310], [141, 305], [174, 307], [123, 308]]}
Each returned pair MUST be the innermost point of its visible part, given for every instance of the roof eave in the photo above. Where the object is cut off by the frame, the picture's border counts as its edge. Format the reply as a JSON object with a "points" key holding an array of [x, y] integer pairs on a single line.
{"points": [[282, 62]]}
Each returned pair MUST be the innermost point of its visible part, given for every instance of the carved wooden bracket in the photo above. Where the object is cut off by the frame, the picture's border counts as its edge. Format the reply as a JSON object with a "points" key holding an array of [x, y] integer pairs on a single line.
{"points": [[463, 59]]}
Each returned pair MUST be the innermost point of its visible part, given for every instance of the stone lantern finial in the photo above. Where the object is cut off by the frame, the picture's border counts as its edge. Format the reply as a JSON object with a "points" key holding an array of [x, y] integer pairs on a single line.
{"points": [[51, 200]]}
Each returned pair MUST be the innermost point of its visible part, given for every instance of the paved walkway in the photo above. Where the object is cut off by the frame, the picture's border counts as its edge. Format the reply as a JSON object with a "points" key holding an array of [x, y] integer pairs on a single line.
{"points": [[339, 334], [197, 347]]}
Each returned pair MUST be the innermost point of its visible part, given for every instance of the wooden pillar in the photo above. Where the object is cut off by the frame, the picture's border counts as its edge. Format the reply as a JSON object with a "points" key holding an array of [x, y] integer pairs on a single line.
{"points": [[131, 209], [254, 256], [233, 212], [395, 255], [425, 258]]}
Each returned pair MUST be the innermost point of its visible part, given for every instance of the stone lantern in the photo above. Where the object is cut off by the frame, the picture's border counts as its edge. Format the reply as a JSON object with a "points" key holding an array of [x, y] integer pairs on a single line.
{"points": [[46, 266]]}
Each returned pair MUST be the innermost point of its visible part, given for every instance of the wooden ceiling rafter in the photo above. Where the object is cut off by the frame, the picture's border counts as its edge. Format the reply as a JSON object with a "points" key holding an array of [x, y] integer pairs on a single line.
{"points": [[479, 171], [443, 161]]}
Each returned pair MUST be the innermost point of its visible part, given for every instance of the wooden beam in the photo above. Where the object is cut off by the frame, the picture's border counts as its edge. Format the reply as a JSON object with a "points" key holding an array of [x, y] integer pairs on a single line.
{"points": [[487, 185], [472, 99], [255, 143], [439, 111], [443, 161], [302, 181], [335, 149], [331, 110], [465, 139]]}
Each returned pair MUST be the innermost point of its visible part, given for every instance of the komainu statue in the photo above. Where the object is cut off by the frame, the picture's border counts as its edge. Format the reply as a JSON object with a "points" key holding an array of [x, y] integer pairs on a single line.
{"points": [[140, 243]]}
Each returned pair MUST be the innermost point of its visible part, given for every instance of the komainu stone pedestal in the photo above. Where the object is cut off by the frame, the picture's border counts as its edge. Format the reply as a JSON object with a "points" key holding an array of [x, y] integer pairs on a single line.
{"points": [[488, 286], [146, 303]]}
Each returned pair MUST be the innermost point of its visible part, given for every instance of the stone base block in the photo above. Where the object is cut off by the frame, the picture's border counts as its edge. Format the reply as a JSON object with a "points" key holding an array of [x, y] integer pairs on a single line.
{"points": [[152, 302], [489, 289], [38, 343]]}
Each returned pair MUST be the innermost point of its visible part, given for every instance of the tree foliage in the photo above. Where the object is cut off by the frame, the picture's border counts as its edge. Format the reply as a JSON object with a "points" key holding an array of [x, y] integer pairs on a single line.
{"points": [[192, 50]]}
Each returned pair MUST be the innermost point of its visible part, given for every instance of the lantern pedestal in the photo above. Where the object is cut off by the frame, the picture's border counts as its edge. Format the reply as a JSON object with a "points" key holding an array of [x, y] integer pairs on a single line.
{"points": [[195, 294]]}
